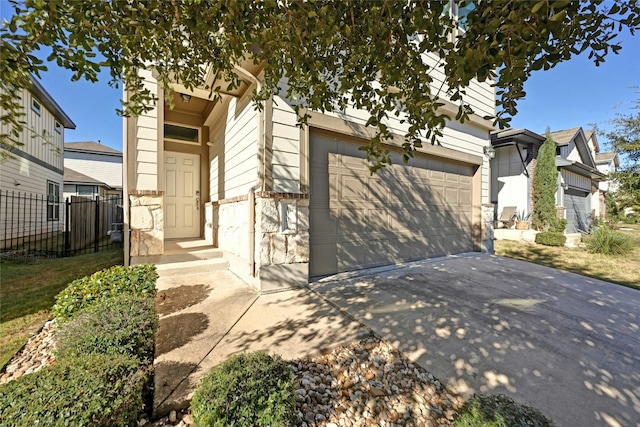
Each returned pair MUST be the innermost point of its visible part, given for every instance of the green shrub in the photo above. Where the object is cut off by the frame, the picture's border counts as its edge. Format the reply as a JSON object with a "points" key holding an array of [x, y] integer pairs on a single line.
{"points": [[606, 241], [122, 325], [139, 280], [499, 410], [558, 225], [250, 389], [96, 390], [551, 238]]}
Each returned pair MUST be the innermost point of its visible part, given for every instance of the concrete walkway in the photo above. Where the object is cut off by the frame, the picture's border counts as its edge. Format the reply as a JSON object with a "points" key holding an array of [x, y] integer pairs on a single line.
{"points": [[565, 343], [207, 316]]}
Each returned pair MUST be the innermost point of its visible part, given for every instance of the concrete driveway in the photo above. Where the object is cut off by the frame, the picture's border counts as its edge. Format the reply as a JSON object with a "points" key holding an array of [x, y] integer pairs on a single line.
{"points": [[567, 344]]}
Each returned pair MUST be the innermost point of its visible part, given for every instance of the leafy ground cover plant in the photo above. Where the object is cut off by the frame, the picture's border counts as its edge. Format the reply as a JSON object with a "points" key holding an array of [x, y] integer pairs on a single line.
{"points": [[499, 410], [95, 390], [249, 389], [138, 280], [123, 325]]}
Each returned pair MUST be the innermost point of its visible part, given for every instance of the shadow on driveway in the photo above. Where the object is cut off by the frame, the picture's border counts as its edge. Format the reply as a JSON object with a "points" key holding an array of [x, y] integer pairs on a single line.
{"points": [[567, 344]]}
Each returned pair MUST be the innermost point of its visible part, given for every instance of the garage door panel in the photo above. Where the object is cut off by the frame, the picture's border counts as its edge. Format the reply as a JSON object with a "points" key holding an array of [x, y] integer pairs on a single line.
{"points": [[378, 219], [376, 252], [351, 220], [436, 175], [351, 188], [400, 220], [404, 212], [350, 255], [465, 179], [438, 195], [451, 178], [353, 163], [451, 196], [465, 197]]}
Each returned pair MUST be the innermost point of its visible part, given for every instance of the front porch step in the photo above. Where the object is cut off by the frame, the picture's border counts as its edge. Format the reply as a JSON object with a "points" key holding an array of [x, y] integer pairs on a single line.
{"points": [[171, 258], [193, 261], [192, 267]]}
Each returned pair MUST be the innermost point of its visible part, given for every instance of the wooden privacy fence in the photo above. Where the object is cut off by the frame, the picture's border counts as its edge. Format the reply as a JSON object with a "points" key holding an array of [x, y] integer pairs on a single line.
{"points": [[35, 225], [91, 220]]}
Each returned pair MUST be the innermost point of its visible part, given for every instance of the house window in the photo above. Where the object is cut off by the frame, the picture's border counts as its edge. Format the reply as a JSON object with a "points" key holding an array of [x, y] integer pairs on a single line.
{"points": [[85, 190], [183, 134], [35, 106], [53, 201], [58, 127]]}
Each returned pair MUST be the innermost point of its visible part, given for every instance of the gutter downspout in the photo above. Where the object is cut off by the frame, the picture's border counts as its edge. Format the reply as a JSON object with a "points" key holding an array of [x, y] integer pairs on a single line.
{"points": [[260, 183]]}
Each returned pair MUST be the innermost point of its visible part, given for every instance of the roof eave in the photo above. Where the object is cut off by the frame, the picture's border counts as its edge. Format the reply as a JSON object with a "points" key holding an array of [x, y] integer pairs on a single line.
{"points": [[515, 136], [102, 153], [51, 104]]}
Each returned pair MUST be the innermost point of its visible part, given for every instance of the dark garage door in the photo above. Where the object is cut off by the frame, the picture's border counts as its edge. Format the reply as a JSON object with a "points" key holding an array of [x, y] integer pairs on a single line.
{"points": [[578, 209], [402, 213]]}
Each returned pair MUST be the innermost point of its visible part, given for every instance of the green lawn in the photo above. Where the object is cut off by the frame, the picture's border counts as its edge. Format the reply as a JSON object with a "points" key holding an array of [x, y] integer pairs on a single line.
{"points": [[624, 270], [28, 289]]}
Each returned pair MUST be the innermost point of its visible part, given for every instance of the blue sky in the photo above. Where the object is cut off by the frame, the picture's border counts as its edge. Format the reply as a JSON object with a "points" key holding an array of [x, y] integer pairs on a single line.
{"points": [[574, 93], [577, 93]]}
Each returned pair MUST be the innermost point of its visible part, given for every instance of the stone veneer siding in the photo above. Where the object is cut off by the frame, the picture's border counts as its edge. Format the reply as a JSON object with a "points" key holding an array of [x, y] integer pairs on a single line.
{"points": [[282, 228], [146, 223]]}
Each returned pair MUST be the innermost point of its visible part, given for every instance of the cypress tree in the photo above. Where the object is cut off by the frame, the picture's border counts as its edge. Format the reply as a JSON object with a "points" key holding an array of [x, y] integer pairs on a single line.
{"points": [[545, 184]]}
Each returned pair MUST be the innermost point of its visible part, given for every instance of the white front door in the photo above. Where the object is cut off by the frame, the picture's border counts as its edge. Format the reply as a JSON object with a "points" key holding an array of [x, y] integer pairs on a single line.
{"points": [[182, 195]]}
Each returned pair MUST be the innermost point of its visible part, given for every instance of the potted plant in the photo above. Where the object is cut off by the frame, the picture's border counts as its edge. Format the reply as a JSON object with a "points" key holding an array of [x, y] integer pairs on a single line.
{"points": [[522, 220]]}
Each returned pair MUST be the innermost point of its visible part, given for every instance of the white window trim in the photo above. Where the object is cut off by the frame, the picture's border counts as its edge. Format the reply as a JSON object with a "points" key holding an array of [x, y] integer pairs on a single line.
{"points": [[36, 106], [180, 141], [54, 203], [58, 127]]}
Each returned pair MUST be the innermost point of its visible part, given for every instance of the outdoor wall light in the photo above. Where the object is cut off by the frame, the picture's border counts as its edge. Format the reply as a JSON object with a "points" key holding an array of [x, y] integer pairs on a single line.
{"points": [[185, 98], [489, 151]]}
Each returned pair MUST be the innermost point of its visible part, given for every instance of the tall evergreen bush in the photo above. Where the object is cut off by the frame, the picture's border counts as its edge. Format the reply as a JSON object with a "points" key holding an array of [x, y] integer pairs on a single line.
{"points": [[545, 184]]}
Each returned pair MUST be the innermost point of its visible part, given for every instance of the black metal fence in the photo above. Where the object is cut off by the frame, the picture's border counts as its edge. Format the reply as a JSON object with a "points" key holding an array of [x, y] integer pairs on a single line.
{"points": [[36, 225]]}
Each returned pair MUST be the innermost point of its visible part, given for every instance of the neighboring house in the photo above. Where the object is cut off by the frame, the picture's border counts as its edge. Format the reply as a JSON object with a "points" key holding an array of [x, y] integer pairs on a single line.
{"points": [[77, 184], [35, 167], [578, 179], [516, 154], [286, 203], [93, 170], [607, 164]]}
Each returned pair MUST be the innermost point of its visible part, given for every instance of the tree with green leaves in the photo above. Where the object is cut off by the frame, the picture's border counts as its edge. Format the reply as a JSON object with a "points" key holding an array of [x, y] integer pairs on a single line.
{"points": [[625, 140], [545, 185], [331, 54]]}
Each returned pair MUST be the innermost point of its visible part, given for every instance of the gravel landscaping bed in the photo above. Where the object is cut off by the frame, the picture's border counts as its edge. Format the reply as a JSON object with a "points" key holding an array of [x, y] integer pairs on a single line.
{"points": [[367, 383]]}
